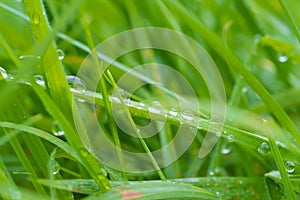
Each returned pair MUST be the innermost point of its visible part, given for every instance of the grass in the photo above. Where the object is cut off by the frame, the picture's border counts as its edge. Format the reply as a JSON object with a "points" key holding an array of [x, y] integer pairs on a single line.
{"points": [[255, 48]]}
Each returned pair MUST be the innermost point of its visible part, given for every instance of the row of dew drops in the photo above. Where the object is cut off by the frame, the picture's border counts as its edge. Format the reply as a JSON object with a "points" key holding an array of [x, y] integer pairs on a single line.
{"points": [[75, 83], [186, 116], [264, 150]]}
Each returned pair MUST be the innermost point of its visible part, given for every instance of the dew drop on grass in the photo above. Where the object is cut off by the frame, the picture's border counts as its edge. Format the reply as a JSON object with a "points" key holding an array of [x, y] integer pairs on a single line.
{"points": [[39, 80], [123, 95], [61, 54], [55, 167], [187, 116], [199, 127], [230, 138], [278, 144], [3, 74], [226, 150], [283, 58], [23, 57], [173, 112], [141, 105], [263, 149], [218, 133], [76, 84], [290, 166], [35, 18], [245, 90], [56, 130], [156, 108]]}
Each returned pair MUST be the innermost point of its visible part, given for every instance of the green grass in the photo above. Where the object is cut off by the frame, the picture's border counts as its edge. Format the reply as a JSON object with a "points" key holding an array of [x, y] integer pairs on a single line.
{"points": [[255, 46]]}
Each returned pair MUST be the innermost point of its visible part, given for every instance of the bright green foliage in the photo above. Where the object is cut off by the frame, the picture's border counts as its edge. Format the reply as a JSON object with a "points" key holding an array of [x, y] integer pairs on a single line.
{"points": [[255, 45]]}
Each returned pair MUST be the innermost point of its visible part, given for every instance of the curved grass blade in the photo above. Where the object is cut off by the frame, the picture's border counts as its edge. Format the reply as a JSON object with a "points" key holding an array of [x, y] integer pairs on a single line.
{"points": [[226, 187], [288, 188], [51, 65], [9, 192], [93, 166], [42, 134], [218, 45], [290, 19], [295, 180], [159, 190]]}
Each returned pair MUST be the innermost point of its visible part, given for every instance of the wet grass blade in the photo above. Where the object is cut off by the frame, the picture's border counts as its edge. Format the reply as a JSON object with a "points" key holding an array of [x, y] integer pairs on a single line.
{"points": [[42, 134], [288, 188], [89, 162], [218, 45], [159, 190], [9, 192], [226, 187]]}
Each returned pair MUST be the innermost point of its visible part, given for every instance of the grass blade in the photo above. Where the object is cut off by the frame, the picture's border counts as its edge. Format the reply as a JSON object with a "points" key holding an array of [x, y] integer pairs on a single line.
{"points": [[290, 19], [288, 188], [89, 162], [160, 190], [226, 187], [223, 50]]}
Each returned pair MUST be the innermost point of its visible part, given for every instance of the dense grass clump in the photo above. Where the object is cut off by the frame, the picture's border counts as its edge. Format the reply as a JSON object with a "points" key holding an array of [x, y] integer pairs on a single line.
{"points": [[78, 97]]}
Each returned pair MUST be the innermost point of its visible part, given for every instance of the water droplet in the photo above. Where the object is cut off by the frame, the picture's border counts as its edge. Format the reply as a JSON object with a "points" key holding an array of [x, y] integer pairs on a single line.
{"points": [[278, 144], [226, 150], [230, 138], [123, 95], [35, 18], [156, 108], [199, 126], [215, 172], [283, 58], [39, 80], [263, 149], [218, 133], [141, 105], [115, 99], [173, 112], [290, 166], [23, 57], [211, 173], [55, 167], [61, 54], [187, 116], [56, 130], [245, 90], [3, 74], [80, 100], [76, 84]]}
